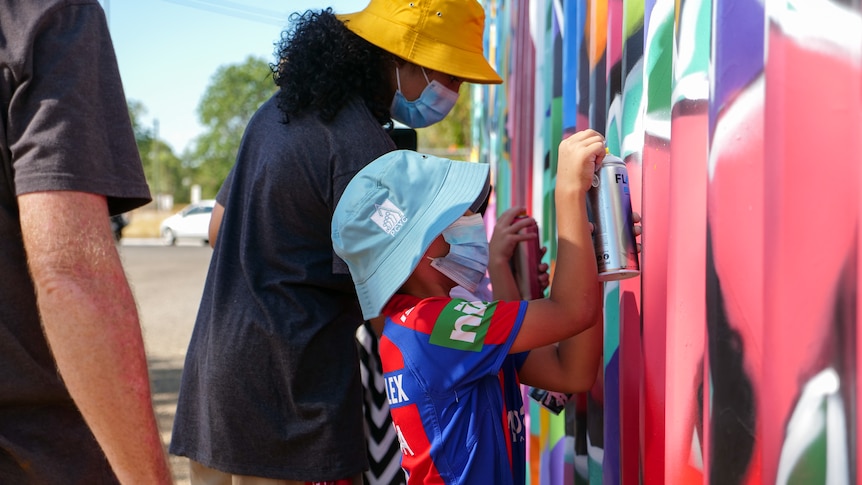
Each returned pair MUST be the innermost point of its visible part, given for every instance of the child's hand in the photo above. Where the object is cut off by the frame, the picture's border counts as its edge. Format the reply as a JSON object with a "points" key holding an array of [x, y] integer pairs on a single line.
{"points": [[579, 156], [506, 237]]}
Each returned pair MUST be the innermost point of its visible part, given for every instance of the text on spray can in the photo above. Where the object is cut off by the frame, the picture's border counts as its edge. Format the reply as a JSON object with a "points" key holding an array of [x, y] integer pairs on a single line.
{"points": [[611, 208]]}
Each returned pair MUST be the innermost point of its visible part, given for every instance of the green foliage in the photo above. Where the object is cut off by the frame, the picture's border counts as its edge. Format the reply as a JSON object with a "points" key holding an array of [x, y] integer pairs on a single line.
{"points": [[450, 137], [233, 95], [136, 111], [164, 171]]}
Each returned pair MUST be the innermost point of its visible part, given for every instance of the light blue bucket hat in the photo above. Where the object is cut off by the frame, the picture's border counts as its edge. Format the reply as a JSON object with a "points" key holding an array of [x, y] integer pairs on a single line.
{"points": [[391, 212]]}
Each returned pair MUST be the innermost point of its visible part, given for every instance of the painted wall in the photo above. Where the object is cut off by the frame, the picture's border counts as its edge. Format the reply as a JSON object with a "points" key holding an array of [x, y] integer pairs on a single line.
{"points": [[732, 359]]}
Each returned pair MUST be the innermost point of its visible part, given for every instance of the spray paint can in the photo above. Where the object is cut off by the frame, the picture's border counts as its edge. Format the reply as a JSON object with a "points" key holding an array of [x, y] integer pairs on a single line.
{"points": [[611, 208], [525, 264]]}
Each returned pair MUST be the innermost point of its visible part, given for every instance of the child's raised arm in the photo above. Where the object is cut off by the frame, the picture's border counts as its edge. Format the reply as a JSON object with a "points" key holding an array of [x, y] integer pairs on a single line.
{"points": [[573, 305], [502, 246]]}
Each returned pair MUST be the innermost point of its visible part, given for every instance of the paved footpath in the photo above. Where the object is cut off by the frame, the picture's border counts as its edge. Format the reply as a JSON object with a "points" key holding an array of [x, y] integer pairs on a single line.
{"points": [[167, 283]]}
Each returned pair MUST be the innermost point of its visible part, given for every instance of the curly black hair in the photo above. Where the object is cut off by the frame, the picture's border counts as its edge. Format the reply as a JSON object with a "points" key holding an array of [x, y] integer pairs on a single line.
{"points": [[323, 65]]}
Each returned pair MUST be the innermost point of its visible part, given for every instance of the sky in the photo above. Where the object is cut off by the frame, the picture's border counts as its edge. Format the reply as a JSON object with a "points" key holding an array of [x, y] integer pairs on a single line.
{"points": [[168, 50]]}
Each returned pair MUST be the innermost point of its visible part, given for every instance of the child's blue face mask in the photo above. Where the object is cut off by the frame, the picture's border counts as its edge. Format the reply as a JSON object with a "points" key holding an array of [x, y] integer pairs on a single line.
{"points": [[435, 102], [467, 260]]}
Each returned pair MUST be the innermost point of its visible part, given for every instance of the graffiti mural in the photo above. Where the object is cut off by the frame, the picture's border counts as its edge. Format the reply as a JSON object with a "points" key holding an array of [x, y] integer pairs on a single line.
{"points": [[631, 138], [808, 388], [735, 239], [686, 261], [733, 358]]}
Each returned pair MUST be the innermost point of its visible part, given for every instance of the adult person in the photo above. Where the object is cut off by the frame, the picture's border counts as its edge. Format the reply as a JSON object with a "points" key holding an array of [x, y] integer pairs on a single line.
{"points": [[271, 388], [68, 160]]}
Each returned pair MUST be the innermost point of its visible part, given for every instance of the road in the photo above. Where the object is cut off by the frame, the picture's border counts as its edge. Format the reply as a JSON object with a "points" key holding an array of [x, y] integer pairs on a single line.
{"points": [[167, 283]]}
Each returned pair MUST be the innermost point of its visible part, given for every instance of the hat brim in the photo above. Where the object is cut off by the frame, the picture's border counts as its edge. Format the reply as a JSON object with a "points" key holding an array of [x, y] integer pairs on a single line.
{"points": [[462, 184], [483, 195], [437, 54]]}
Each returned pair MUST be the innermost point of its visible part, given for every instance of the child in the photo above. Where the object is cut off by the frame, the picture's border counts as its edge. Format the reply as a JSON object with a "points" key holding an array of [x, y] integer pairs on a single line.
{"points": [[407, 228]]}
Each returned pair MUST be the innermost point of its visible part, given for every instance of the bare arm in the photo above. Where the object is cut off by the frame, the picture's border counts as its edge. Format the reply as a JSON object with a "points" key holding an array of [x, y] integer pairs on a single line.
{"points": [[574, 364], [571, 366], [91, 323], [572, 305], [215, 223], [500, 251]]}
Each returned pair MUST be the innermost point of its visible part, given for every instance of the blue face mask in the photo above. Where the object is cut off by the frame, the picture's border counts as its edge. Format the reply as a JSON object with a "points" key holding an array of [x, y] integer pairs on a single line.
{"points": [[467, 260], [435, 102]]}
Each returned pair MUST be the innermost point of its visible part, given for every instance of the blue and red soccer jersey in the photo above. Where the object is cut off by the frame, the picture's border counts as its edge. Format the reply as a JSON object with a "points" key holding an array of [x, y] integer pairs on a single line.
{"points": [[453, 389]]}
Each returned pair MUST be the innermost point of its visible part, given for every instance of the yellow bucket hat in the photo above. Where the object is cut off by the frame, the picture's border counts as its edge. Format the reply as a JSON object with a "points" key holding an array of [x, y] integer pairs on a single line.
{"points": [[443, 35]]}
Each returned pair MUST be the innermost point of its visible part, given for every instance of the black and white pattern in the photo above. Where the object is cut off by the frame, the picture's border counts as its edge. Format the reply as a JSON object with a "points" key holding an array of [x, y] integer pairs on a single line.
{"points": [[384, 451]]}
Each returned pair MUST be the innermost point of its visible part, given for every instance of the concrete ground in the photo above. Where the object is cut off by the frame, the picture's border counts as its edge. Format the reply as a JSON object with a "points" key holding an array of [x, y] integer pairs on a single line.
{"points": [[167, 283]]}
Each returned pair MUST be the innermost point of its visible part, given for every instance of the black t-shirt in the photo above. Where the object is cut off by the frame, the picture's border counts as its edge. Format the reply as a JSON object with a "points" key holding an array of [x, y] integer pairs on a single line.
{"points": [[64, 125], [271, 381]]}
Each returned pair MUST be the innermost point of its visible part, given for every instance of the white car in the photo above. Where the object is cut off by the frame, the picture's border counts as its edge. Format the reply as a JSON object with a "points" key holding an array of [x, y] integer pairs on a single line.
{"points": [[193, 222]]}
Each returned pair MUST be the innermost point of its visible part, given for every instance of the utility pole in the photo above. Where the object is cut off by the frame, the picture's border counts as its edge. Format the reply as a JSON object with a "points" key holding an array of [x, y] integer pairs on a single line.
{"points": [[154, 156]]}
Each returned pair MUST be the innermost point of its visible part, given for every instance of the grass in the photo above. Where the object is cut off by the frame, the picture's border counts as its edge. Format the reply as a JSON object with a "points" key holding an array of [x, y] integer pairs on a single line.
{"points": [[145, 222]]}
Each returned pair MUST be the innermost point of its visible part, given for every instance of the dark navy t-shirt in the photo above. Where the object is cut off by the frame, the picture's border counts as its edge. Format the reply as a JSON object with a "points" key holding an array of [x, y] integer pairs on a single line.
{"points": [[271, 382]]}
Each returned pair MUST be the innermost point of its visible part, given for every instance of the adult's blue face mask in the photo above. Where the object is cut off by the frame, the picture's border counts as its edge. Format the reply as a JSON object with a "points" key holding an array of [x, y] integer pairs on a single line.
{"points": [[467, 260], [435, 102]]}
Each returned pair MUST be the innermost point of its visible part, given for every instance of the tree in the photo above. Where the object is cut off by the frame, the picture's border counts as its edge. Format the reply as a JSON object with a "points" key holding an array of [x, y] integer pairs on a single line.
{"points": [[234, 94], [164, 171], [451, 136], [136, 111]]}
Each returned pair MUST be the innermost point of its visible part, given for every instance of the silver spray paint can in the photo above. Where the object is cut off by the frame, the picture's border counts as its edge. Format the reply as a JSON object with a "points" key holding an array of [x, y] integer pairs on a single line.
{"points": [[611, 208]]}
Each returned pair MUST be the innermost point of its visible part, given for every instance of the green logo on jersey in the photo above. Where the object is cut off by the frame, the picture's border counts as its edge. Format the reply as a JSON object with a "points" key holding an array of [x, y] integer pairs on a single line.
{"points": [[463, 325]]}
